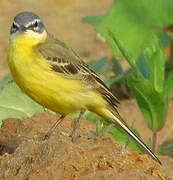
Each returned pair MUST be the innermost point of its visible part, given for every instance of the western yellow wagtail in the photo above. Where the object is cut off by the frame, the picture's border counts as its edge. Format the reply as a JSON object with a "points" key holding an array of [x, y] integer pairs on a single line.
{"points": [[53, 75]]}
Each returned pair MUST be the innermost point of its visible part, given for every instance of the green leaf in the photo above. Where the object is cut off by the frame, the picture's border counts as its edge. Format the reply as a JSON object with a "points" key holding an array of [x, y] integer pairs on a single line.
{"points": [[123, 51], [152, 104], [99, 65], [93, 19], [5, 80], [120, 136], [115, 79], [143, 66], [155, 58], [149, 142], [168, 86], [164, 38], [91, 116], [166, 149], [135, 22], [15, 104], [117, 68]]}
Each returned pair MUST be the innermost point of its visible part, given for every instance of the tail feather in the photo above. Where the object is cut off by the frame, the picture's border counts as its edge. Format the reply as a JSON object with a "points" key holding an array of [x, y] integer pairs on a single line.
{"points": [[118, 120]]}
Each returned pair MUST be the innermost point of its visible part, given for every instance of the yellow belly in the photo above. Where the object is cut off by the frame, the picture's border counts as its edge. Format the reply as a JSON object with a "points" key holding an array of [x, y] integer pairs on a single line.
{"points": [[50, 89]]}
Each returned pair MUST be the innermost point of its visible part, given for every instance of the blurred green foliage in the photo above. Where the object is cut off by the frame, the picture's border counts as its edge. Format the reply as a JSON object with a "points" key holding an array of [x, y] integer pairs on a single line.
{"points": [[136, 31], [134, 23]]}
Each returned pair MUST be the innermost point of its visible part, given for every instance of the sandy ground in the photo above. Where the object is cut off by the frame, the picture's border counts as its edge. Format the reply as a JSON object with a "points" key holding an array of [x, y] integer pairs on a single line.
{"points": [[23, 156]]}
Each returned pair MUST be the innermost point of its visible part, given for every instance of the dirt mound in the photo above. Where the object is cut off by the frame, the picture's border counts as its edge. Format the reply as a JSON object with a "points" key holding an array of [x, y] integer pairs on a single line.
{"points": [[24, 157]]}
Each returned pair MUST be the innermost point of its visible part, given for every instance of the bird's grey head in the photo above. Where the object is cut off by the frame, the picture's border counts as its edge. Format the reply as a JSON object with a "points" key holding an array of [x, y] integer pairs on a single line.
{"points": [[25, 21]]}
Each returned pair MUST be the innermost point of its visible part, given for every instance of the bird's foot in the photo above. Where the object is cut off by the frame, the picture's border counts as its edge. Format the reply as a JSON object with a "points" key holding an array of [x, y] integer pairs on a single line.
{"points": [[43, 138], [73, 137], [92, 134]]}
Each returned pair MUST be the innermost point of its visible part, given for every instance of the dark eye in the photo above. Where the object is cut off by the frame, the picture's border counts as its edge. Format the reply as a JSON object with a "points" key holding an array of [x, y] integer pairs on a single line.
{"points": [[35, 24], [14, 26]]}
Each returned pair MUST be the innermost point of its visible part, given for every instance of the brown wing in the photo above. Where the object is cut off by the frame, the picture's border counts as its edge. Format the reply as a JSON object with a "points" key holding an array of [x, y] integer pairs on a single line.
{"points": [[63, 59]]}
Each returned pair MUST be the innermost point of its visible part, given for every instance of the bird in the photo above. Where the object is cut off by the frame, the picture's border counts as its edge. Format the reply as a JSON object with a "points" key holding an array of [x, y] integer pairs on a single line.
{"points": [[55, 76]]}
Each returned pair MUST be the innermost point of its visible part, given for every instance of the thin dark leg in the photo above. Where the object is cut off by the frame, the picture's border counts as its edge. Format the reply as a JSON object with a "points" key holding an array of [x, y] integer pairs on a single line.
{"points": [[76, 125], [48, 134]]}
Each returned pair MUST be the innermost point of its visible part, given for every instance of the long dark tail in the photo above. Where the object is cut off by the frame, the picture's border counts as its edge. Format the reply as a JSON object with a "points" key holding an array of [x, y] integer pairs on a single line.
{"points": [[118, 120]]}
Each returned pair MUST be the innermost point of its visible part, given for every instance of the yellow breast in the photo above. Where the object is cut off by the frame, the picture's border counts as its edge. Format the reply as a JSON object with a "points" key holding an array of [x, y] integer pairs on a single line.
{"points": [[50, 89]]}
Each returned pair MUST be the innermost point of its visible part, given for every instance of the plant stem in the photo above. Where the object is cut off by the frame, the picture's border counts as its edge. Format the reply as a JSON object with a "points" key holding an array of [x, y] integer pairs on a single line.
{"points": [[154, 142]]}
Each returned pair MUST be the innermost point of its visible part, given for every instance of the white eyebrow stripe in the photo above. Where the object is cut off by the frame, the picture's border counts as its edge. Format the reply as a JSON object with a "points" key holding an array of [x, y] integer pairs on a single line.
{"points": [[30, 23], [16, 24]]}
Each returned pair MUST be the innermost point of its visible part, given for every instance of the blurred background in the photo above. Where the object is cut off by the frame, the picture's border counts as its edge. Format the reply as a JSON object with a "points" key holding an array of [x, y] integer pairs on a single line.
{"points": [[61, 18]]}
